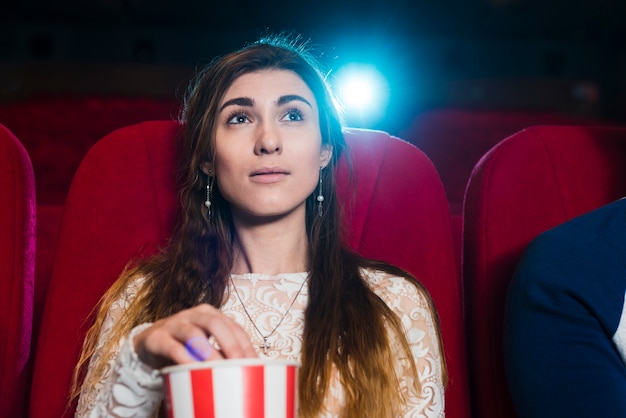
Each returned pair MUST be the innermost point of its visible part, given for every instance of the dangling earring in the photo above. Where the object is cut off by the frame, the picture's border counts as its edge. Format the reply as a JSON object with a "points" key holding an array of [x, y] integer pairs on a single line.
{"points": [[207, 202], [320, 196]]}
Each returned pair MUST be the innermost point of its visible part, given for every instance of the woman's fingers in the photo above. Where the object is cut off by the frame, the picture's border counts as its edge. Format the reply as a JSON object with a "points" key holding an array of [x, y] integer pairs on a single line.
{"points": [[196, 348], [233, 341], [183, 338]]}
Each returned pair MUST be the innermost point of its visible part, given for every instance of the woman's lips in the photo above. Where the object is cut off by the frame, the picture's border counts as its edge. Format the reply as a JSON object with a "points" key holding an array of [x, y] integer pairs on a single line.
{"points": [[269, 175]]}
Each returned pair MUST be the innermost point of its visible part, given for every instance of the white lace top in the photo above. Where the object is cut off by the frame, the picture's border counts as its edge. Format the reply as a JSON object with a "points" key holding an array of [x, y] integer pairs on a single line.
{"points": [[131, 389]]}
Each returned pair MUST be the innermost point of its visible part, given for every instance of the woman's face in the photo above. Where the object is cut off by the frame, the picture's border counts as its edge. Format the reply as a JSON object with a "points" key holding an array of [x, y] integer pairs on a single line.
{"points": [[268, 145]]}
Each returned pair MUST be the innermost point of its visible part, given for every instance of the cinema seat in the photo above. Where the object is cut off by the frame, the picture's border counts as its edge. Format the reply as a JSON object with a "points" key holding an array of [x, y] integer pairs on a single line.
{"points": [[17, 270], [535, 179], [122, 203], [456, 138], [57, 131]]}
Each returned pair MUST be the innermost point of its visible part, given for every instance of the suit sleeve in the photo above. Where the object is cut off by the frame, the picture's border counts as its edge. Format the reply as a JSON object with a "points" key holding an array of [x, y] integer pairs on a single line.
{"points": [[562, 310]]}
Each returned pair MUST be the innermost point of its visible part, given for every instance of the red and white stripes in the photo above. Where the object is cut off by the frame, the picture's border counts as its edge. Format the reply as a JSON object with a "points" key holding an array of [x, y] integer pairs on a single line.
{"points": [[266, 390]]}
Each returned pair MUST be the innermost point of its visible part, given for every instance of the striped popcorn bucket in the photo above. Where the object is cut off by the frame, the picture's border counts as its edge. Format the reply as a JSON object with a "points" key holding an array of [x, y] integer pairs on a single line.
{"points": [[241, 388]]}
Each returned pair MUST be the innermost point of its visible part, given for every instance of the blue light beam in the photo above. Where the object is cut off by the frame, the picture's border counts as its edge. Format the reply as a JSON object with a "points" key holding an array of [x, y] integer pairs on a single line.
{"points": [[363, 92]]}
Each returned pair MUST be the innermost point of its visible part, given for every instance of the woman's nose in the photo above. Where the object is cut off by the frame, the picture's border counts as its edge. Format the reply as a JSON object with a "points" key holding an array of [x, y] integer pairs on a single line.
{"points": [[268, 140]]}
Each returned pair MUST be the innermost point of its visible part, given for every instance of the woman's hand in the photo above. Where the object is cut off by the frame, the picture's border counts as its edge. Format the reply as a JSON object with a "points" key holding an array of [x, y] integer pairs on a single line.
{"points": [[183, 338]]}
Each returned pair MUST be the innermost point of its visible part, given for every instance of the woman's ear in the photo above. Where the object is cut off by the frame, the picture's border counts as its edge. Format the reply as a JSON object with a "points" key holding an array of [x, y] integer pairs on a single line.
{"points": [[207, 168], [325, 155]]}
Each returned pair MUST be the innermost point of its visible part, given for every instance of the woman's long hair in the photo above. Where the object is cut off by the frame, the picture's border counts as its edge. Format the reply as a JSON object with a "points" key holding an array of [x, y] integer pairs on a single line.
{"points": [[346, 324]]}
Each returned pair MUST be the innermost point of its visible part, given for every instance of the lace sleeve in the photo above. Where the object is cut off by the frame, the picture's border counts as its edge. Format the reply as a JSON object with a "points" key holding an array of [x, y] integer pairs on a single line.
{"points": [[412, 307], [128, 388]]}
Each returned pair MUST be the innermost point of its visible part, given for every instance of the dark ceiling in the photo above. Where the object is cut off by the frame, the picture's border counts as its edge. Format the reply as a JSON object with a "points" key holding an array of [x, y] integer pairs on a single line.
{"points": [[557, 16], [416, 43], [562, 20]]}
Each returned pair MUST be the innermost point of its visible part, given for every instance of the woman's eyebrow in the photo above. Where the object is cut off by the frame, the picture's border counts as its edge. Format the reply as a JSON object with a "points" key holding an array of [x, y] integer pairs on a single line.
{"points": [[290, 98], [238, 101]]}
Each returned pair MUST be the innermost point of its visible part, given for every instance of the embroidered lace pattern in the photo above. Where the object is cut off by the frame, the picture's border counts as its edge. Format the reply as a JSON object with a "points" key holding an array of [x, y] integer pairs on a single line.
{"points": [[130, 389]]}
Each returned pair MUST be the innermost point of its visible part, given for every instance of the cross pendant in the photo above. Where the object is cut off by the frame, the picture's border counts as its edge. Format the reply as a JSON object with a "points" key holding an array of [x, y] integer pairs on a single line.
{"points": [[265, 345]]}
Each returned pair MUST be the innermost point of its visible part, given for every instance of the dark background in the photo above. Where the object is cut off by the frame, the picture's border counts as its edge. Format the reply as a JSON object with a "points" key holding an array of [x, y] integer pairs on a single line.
{"points": [[568, 56]]}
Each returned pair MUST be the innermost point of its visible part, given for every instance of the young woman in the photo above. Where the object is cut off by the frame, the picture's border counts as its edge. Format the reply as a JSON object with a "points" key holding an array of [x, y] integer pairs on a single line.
{"points": [[256, 266]]}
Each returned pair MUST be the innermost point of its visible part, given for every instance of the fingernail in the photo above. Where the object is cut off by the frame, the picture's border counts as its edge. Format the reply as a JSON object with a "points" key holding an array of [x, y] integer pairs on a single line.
{"points": [[199, 348]]}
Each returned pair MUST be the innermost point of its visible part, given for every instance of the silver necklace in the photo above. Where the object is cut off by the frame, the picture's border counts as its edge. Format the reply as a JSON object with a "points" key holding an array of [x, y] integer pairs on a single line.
{"points": [[265, 345]]}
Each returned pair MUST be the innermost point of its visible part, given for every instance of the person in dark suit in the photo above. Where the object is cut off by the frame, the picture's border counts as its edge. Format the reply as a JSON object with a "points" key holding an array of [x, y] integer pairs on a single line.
{"points": [[565, 320]]}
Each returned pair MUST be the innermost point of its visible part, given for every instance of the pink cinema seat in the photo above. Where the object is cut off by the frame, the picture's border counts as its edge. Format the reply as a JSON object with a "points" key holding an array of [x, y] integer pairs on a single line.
{"points": [[535, 179], [17, 270], [123, 200]]}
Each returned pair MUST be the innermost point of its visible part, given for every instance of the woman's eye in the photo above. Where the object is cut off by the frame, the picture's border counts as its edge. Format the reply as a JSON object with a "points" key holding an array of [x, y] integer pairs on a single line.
{"points": [[293, 115], [238, 118]]}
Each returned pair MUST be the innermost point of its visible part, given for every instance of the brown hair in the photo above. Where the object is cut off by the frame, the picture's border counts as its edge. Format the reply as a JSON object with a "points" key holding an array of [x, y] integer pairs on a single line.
{"points": [[345, 322]]}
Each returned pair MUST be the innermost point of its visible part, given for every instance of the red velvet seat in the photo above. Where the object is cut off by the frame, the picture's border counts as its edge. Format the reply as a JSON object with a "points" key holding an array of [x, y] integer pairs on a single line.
{"points": [[455, 139], [122, 202], [57, 131], [528, 183], [17, 269]]}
